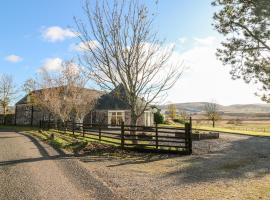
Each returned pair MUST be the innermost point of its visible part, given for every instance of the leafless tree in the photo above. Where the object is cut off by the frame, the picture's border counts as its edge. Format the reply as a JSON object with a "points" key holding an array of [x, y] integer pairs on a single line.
{"points": [[184, 116], [63, 93], [172, 111], [211, 112], [119, 47], [7, 93]]}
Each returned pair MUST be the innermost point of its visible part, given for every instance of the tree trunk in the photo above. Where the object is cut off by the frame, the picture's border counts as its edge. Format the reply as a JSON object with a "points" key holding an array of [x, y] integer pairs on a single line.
{"points": [[56, 124], [213, 123], [5, 115], [81, 123], [133, 123]]}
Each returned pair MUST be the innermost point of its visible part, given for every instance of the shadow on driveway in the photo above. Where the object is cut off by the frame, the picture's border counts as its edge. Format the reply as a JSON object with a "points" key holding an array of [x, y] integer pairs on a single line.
{"points": [[42, 150], [246, 157]]}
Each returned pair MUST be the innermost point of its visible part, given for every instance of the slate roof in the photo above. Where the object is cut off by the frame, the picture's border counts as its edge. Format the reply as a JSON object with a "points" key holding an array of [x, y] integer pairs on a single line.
{"points": [[24, 99], [115, 100]]}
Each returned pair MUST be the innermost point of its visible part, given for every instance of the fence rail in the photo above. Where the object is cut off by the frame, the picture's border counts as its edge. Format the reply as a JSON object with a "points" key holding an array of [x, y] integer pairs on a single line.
{"points": [[127, 136]]}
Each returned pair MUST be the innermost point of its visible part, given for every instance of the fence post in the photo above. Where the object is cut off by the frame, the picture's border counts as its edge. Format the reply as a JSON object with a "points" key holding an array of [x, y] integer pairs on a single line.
{"points": [[99, 132], [188, 138], [122, 135], [39, 124], [156, 136]]}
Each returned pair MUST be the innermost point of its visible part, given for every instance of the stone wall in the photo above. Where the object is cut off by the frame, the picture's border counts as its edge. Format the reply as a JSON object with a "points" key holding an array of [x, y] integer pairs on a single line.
{"points": [[26, 114], [9, 119], [23, 114]]}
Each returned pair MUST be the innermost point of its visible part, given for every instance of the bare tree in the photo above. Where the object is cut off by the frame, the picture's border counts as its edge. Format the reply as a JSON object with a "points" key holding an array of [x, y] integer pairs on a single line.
{"points": [[172, 111], [63, 93], [7, 93], [211, 112], [120, 48], [184, 116]]}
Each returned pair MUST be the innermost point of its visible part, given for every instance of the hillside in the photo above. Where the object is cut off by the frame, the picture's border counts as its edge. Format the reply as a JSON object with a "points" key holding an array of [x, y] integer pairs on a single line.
{"points": [[197, 107]]}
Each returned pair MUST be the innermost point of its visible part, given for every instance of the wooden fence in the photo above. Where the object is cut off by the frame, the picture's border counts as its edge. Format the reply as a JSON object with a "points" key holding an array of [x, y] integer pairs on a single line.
{"points": [[126, 136]]}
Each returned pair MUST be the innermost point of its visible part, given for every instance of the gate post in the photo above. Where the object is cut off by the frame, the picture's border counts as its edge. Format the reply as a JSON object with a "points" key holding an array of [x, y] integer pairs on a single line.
{"points": [[188, 138], [190, 135]]}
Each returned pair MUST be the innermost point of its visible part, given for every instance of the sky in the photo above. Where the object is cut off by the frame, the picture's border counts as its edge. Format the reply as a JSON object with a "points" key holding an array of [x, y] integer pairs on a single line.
{"points": [[37, 34]]}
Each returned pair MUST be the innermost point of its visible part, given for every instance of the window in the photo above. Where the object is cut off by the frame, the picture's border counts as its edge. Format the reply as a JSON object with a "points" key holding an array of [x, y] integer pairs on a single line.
{"points": [[115, 118], [147, 118]]}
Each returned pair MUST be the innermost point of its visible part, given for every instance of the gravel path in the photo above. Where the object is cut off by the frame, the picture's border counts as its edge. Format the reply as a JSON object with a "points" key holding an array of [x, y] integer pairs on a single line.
{"points": [[30, 169], [232, 167]]}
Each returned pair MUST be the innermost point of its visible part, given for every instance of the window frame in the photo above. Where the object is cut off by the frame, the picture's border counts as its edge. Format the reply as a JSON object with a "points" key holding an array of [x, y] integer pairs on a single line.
{"points": [[147, 118], [110, 114]]}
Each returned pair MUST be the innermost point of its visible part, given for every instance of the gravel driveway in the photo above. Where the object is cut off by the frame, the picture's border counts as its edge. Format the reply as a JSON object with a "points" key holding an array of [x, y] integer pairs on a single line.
{"points": [[232, 167], [30, 169]]}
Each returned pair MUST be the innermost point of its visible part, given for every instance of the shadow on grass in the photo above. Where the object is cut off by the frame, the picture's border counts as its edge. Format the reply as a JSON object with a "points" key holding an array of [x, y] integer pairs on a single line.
{"points": [[124, 157], [247, 157]]}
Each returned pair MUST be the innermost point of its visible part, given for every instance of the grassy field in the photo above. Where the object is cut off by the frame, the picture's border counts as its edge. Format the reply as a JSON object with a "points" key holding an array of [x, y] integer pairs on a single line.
{"points": [[234, 130], [255, 128]]}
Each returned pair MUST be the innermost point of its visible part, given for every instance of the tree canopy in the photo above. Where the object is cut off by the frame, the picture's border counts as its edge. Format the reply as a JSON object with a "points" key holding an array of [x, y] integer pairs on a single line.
{"points": [[121, 47], [245, 24]]}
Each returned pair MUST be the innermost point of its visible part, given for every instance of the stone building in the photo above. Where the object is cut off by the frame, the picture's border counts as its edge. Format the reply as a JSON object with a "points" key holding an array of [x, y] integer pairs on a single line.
{"points": [[26, 113], [109, 109]]}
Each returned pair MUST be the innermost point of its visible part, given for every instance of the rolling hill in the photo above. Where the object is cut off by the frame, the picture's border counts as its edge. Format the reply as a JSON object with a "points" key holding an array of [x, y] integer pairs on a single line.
{"points": [[197, 107]]}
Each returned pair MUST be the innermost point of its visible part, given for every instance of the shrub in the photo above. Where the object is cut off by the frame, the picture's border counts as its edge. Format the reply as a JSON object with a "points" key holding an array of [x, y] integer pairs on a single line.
{"points": [[158, 118], [230, 122], [235, 121]]}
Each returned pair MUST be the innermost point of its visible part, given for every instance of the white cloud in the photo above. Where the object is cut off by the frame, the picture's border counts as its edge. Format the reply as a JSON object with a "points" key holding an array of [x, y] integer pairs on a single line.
{"points": [[57, 65], [84, 46], [206, 77], [207, 41], [14, 58], [51, 64], [56, 33], [182, 40]]}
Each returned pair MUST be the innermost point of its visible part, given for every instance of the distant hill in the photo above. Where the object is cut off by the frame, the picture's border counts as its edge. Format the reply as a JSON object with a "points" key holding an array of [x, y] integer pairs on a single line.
{"points": [[197, 107]]}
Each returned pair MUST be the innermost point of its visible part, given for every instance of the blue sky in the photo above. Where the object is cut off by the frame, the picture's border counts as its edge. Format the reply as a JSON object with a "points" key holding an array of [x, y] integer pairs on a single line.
{"points": [[36, 34]]}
